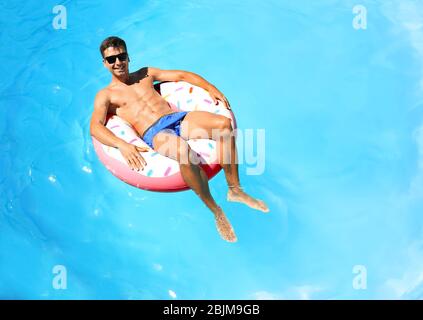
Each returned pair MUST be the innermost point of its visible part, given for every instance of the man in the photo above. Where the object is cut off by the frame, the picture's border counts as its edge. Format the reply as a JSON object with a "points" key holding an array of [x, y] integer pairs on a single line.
{"points": [[132, 97]]}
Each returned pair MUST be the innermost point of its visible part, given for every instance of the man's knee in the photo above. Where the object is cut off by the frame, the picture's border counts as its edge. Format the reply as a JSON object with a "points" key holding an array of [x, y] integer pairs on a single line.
{"points": [[184, 153], [172, 147], [223, 129], [225, 124]]}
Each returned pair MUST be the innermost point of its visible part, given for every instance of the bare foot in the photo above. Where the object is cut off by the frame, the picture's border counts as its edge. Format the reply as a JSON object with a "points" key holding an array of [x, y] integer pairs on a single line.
{"points": [[224, 226], [238, 195]]}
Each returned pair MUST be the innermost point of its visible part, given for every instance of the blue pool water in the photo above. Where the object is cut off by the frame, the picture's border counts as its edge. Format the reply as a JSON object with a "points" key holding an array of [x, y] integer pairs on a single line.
{"points": [[342, 111]]}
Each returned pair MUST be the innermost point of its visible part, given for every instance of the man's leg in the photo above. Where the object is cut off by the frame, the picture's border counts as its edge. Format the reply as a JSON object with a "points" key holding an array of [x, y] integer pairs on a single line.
{"points": [[217, 127], [178, 149]]}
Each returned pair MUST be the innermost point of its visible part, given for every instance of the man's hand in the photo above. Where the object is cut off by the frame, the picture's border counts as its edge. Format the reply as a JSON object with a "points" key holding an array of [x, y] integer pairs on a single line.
{"points": [[217, 95], [131, 154]]}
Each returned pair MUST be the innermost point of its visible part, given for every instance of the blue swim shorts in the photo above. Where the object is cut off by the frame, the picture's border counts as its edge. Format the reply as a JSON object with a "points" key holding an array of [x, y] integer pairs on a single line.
{"points": [[169, 123]]}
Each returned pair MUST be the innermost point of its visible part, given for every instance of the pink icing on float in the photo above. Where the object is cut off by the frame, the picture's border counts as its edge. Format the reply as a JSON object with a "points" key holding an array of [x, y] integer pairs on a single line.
{"points": [[162, 173]]}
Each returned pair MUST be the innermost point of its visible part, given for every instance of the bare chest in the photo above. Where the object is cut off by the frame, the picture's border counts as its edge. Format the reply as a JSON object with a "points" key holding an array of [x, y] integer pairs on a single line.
{"points": [[134, 95]]}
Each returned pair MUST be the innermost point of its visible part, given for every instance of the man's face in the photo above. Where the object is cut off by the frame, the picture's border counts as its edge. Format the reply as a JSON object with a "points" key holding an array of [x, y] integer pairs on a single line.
{"points": [[114, 60]]}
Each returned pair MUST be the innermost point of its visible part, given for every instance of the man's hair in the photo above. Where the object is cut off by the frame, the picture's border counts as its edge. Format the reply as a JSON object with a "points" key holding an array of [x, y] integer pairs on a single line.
{"points": [[114, 42]]}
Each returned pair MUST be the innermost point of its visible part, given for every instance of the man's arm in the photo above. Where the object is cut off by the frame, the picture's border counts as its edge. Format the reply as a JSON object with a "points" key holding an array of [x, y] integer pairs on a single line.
{"points": [[97, 128], [179, 75], [195, 79]]}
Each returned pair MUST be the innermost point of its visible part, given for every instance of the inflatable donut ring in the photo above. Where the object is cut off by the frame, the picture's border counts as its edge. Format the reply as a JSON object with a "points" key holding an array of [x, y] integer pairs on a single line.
{"points": [[162, 173]]}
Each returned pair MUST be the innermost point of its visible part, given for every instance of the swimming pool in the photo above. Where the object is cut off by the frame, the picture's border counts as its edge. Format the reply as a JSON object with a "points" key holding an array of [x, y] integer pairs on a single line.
{"points": [[342, 112]]}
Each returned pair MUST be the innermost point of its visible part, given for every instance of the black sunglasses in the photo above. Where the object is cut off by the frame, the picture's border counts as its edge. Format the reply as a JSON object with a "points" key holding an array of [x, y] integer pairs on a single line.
{"points": [[121, 56]]}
